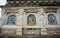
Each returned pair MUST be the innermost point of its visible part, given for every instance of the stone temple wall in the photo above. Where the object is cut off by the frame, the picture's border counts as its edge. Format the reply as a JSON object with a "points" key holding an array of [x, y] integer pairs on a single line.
{"points": [[20, 25]]}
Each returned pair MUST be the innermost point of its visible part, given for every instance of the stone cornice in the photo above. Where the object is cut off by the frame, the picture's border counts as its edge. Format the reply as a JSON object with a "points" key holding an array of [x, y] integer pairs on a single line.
{"points": [[31, 3]]}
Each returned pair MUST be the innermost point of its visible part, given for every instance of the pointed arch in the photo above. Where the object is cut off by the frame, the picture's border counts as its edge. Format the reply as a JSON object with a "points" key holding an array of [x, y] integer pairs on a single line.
{"points": [[31, 20]]}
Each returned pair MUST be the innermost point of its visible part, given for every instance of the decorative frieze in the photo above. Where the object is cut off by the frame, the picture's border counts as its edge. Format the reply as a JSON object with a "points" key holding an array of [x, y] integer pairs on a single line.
{"points": [[32, 3], [43, 31], [8, 31], [32, 10]]}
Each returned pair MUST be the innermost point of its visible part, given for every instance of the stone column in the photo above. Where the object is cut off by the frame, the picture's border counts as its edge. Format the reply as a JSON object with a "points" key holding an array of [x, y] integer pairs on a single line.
{"points": [[19, 22], [43, 27], [3, 17]]}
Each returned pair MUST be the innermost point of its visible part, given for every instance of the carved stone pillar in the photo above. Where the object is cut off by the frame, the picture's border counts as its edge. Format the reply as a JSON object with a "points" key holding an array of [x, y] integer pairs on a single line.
{"points": [[43, 27], [19, 22]]}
